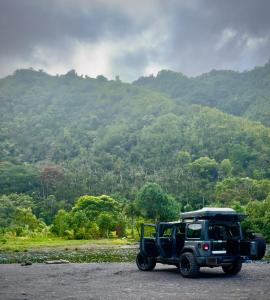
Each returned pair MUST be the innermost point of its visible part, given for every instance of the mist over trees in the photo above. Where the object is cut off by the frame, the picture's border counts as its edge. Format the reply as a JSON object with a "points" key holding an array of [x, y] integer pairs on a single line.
{"points": [[243, 94], [91, 156]]}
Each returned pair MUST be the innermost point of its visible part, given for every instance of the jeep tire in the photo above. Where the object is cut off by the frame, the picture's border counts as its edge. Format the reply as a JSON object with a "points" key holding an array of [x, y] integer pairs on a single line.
{"points": [[233, 269], [188, 266], [145, 263], [261, 246]]}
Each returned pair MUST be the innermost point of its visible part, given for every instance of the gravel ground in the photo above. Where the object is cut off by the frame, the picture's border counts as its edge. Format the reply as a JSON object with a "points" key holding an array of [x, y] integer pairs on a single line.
{"points": [[125, 281]]}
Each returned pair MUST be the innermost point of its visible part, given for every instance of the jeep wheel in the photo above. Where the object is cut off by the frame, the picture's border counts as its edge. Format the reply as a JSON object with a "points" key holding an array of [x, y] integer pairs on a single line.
{"points": [[188, 266], [233, 269], [145, 263]]}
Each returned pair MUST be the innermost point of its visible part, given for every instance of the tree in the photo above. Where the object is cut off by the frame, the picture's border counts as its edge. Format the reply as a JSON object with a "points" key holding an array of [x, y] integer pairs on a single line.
{"points": [[183, 158], [155, 204], [18, 178], [106, 223], [102, 78], [16, 214], [242, 190], [94, 216], [25, 218], [10, 204], [205, 168], [95, 205], [61, 223], [258, 219], [225, 168], [131, 210], [51, 177], [47, 208], [200, 179]]}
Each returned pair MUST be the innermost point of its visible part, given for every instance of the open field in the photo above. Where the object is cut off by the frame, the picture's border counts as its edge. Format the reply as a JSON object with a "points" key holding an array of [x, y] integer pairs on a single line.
{"points": [[125, 281]]}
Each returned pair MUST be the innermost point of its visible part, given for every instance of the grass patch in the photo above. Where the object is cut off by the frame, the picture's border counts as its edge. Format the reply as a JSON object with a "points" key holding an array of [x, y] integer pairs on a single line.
{"points": [[41, 249], [79, 256], [28, 243]]}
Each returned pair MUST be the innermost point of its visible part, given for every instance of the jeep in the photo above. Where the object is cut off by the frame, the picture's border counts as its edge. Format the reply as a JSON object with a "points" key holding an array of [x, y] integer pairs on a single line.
{"points": [[210, 237]]}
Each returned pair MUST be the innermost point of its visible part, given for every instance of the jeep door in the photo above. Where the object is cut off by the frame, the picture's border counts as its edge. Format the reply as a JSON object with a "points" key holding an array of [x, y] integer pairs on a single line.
{"points": [[148, 240], [166, 239]]}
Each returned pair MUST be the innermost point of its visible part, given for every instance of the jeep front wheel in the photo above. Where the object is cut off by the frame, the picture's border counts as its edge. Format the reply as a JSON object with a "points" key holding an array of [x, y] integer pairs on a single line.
{"points": [[188, 266], [145, 263], [233, 269]]}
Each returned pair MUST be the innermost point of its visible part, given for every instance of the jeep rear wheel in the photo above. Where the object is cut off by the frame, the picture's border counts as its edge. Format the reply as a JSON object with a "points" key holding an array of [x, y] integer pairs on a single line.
{"points": [[145, 263], [233, 269], [188, 266]]}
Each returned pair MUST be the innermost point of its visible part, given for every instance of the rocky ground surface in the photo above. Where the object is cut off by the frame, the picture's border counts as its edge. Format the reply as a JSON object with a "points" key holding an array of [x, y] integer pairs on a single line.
{"points": [[125, 281]]}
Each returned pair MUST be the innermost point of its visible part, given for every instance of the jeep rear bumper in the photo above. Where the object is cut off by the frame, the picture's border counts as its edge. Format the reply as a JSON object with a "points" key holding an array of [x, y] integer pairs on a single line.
{"points": [[215, 261]]}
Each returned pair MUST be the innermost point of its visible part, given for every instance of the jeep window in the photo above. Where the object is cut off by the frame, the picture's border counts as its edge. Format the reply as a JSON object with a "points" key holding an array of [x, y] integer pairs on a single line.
{"points": [[167, 232], [194, 231], [149, 231], [224, 232], [234, 231], [180, 229]]}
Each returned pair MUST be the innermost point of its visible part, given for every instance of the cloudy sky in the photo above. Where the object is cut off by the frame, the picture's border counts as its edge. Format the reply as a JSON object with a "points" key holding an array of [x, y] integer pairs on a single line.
{"points": [[131, 38]]}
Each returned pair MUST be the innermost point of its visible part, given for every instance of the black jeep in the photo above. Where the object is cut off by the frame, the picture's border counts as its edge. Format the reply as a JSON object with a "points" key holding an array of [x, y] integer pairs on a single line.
{"points": [[210, 237]]}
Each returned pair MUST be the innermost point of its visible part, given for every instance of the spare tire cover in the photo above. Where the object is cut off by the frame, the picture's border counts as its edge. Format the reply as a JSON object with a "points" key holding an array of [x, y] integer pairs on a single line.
{"points": [[261, 247]]}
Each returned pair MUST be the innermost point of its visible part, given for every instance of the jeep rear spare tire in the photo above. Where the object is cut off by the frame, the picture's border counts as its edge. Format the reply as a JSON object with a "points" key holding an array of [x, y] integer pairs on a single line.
{"points": [[188, 266], [145, 263], [261, 247]]}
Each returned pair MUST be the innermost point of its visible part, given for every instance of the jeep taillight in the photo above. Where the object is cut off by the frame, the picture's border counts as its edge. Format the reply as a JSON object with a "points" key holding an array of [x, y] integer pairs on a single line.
{"points": [[205, 246]]}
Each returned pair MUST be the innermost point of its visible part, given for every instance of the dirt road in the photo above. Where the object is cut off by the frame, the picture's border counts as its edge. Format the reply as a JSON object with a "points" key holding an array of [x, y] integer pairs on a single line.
{"points": [[124, 281]]}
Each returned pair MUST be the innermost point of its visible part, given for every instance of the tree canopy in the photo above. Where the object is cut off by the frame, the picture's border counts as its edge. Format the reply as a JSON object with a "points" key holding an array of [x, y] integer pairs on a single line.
{"points": [[154, 147]]}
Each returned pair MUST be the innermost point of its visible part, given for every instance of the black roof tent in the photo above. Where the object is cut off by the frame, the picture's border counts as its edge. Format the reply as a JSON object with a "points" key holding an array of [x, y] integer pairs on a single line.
{"points": [[214, 213]]}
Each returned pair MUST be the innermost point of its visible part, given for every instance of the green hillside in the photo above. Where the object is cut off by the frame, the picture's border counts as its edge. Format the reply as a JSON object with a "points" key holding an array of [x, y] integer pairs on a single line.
{"points": [[244, 94], [120, 130], [66, 136]]}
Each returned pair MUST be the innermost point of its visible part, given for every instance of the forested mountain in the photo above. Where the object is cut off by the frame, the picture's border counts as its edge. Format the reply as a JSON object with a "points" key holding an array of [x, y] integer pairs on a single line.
{"points": [[65, 136], [244, 94]]}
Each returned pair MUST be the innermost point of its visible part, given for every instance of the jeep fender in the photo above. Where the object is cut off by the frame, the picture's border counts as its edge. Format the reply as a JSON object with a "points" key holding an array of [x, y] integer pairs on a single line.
{"points": [[191, 249]]}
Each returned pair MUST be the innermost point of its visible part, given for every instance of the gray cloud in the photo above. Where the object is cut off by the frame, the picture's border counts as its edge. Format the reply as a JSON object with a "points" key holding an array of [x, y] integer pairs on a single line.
{"points": [[219, 34], [27, 23], [133, 38]]}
